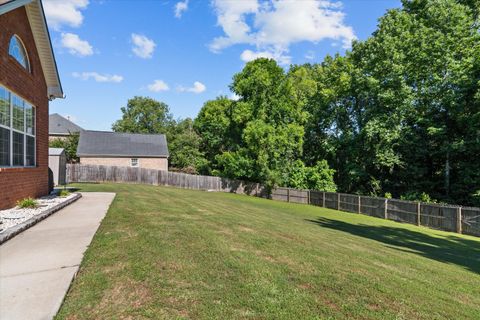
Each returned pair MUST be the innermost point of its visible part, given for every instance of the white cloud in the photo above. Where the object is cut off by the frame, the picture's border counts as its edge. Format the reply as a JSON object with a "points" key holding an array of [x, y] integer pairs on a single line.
{"points": [[310, 55], [275, 25], [98, 77], [64, 12], [75, 45], [180, 7], [198, 87], [249, 55], [234, 96], [143, 46], [158, 85]]}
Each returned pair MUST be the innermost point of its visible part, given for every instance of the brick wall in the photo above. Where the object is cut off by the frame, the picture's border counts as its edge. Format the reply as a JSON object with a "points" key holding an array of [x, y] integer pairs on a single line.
{"points": [[147, 163], [18, 183]]}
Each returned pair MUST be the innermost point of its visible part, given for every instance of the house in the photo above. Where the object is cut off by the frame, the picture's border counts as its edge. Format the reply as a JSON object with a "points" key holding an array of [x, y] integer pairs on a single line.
{"points": [[28, 80], [60, 127], [123, 149]]}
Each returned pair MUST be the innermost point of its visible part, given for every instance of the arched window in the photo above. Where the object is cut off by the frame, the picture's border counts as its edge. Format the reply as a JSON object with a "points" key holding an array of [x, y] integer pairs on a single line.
{"points": [[17, 50]]}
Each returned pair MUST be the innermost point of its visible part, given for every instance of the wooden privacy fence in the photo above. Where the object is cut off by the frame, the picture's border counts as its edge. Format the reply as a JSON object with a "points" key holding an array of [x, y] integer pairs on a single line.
{"points": [[437, 216], [94, 173], [459, 219]]}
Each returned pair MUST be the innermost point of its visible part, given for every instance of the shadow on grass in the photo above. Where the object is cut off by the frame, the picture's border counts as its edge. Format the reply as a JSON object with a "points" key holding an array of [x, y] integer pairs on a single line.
{"points": [[451, 249]]}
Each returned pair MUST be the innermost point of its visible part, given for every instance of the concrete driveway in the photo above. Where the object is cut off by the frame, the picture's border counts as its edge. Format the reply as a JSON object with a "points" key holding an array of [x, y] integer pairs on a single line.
{"points": [[38, 265]]}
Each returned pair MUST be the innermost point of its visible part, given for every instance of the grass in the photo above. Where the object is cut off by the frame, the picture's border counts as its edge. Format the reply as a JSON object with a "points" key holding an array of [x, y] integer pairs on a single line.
{"points": [[27, 203], [167, 253]]}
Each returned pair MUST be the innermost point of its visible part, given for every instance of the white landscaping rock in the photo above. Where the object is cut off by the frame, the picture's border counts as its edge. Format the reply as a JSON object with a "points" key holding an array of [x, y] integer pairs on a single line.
{"points": [[14, 216]]}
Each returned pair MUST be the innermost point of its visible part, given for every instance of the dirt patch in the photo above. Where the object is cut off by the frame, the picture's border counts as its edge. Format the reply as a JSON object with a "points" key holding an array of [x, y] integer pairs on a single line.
{"points": [[124, 295], [245, 229]]}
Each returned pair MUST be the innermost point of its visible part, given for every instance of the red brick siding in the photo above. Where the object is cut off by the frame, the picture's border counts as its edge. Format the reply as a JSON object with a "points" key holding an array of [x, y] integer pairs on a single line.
{"points": [[18, 183]]}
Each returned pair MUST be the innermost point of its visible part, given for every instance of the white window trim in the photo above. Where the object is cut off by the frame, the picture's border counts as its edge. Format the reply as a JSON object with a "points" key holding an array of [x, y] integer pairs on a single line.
{"points": [[28, 67], [24, 133]]}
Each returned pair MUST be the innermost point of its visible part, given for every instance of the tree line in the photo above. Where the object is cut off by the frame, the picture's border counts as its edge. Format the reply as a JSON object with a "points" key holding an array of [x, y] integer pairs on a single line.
{"points": [[398, 114]]}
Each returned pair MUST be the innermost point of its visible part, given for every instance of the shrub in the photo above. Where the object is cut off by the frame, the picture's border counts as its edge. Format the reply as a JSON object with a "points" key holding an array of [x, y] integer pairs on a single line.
{"points": [[416, 196], [388, 195], [64, 193], [27, 203]]}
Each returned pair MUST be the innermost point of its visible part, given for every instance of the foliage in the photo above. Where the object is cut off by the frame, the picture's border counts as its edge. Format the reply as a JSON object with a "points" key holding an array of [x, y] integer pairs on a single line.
{"points": [[184, 146], [399, 112], [418, 196], [64, 193], [69, 144], [144, 115], [319, 177], [29, 203]]}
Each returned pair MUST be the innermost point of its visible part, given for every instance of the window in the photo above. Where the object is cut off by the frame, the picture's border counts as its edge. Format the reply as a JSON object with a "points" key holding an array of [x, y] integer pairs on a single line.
{"points": [[134, 162], [17, 131], [17, 50]]}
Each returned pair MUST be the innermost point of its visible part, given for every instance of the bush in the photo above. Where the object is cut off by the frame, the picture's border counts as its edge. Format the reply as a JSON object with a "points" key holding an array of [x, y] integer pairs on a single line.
{"points": [[64, 193], [417, 196], [319, 177], [27, 203]]}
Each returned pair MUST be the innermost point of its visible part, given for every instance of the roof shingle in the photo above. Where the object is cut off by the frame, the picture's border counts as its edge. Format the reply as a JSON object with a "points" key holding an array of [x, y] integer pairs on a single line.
{"points": [[59, 125], [117, 144]]}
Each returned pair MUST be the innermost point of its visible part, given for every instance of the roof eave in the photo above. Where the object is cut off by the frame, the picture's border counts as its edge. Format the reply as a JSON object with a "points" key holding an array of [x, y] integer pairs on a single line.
{"points": [[41, 35]]}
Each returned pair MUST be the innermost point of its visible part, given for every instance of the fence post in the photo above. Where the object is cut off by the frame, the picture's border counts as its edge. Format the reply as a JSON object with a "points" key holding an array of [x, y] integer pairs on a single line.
{"points": [[386, 208], [338, 201], [418, 214], [323, 199], [288, 194], [359, 204], [459, 220], [308, 196]]}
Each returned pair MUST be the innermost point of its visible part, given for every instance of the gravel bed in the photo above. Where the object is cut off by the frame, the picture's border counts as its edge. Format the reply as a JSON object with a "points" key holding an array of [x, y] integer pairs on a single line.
{"points": [[10, 218]]}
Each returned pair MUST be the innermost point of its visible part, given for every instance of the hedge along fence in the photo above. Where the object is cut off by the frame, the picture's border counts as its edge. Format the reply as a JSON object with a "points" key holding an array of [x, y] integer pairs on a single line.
{"points": [[437, 216]]}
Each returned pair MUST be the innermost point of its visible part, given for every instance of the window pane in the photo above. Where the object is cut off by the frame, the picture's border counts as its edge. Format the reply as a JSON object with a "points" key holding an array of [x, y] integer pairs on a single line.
{"points": [[30, 118], [17, 149], [18, 113], [30, 151], [17, 51], [4, 107], [4, 147]]}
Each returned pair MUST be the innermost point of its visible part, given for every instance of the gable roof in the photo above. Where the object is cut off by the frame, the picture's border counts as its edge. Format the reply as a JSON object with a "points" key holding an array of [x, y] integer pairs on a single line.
{"points": [[117, 144], [41, 36], [58, 125]]}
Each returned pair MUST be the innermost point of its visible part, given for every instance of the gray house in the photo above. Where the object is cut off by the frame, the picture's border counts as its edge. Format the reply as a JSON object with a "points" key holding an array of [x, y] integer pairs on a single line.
{"points": [[123, 149], [60, 127]]}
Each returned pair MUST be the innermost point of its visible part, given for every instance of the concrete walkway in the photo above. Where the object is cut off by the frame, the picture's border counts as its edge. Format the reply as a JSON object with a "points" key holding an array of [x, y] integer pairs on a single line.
{"points": [[38, 265]]}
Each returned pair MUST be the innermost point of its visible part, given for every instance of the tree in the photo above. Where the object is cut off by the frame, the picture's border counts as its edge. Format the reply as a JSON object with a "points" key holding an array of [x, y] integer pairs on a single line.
{"points": [[70, 145], [145, 115], [185, 154]]}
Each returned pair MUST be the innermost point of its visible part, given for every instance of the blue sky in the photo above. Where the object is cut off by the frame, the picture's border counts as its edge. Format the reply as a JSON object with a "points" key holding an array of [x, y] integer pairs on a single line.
{"points": [[185, 52]]}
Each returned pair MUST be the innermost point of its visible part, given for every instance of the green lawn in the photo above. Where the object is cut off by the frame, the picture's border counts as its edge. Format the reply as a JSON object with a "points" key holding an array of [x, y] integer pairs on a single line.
{"points": [[168, 253]]}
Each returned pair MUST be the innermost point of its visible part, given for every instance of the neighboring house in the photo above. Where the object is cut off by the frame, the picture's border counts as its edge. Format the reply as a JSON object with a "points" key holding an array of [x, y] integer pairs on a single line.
{"points": [[60, 127], [28, 80], [123, 149]]}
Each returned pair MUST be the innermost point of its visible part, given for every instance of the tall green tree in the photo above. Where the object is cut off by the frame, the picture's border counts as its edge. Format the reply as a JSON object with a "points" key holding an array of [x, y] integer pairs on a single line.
{"points": [[145, 115]]}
